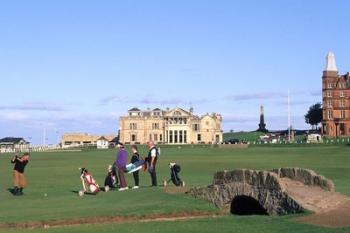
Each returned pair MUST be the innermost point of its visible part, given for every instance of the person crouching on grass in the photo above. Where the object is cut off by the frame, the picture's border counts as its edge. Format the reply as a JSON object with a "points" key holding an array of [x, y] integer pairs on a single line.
{"points": [[19, 179], [89, 183]]}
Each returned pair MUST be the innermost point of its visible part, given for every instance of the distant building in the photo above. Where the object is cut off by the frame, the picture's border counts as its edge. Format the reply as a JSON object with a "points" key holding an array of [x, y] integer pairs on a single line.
{"points": [[336, 100], [175, 126], [11, 144], [313, 138], [102, 143], [82, 139]]}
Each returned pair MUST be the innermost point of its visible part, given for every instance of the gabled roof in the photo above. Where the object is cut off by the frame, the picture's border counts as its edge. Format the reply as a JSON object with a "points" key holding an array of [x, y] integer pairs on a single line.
{"points": [[12, 140], [134, 110], [171, 112], [156, 109], [102, 138]]}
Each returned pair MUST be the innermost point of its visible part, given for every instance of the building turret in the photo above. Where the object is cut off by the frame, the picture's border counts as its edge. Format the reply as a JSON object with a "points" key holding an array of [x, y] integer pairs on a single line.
{"points": [[330, 62]]}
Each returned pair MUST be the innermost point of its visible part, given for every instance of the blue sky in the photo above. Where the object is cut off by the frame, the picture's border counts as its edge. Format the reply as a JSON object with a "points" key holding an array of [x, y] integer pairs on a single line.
{"points": [[76, 66]]}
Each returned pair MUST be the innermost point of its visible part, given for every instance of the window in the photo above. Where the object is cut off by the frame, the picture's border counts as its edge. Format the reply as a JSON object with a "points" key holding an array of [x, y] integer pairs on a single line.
{"points": [[160, 137], [199, 137], [133, 138], [342, 104], [155, 137], [195, 127], [329, 94], [155, 125], [185, 136], [133, 126], [170, 136], [342, 114], [329, 114], [329, 104], [341, 93], [175, 136], [330, 85], [180, 136], [156, 113]]}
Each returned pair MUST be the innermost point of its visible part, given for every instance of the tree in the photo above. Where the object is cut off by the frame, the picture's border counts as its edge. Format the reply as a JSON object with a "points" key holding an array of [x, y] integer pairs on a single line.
{"points": [[314, 116]]}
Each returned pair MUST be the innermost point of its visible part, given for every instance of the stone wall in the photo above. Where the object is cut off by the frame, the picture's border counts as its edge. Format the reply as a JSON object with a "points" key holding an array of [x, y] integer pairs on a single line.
{"points": [[263, 186], [306, 176], [267, 187]]}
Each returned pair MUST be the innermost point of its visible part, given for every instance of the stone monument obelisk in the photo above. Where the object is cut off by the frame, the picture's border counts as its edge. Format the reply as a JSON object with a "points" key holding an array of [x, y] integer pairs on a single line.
{"points": [[262, 125]]}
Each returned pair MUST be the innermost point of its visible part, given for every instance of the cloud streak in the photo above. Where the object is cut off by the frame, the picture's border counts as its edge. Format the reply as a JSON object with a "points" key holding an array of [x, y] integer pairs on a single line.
{"points": [[151, 100], [34, 106], [257, 96]]}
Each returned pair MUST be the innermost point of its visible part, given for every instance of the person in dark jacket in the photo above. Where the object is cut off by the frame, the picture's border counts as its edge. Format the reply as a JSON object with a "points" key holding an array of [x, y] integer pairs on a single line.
{"points": [[121, 162], [19, 179], [134, 159], [152, 161]]}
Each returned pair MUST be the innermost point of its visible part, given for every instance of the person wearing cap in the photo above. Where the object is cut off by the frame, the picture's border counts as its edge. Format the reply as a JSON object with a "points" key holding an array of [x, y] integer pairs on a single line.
{"points": [[121, 162], [19, 179]]}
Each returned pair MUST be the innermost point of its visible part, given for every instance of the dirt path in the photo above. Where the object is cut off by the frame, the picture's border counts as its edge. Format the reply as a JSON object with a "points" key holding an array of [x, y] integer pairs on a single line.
{"points": [[331, 209], [111, 219]]}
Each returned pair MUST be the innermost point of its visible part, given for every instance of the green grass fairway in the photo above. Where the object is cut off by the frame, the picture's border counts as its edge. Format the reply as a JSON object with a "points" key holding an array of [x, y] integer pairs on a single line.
{"points": [[244, 136], [227, 224], [57, 175]]}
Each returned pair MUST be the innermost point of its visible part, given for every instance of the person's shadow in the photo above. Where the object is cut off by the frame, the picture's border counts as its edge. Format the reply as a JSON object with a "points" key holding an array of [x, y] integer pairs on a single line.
{"points": [[85, 193], [11, 190]]}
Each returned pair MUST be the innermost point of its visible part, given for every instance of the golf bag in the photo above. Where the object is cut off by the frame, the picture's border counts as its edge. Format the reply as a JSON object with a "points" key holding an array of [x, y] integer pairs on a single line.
{"points": [[89, 183], [174, 174]]}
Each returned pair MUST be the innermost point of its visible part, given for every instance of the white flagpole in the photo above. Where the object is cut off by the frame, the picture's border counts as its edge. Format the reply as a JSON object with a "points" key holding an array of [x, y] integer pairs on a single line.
{"points": [[289, 123], [44, 137]]}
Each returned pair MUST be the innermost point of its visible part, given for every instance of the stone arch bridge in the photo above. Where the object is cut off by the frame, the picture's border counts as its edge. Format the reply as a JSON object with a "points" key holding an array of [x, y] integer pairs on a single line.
{"points": [[275, 192]]}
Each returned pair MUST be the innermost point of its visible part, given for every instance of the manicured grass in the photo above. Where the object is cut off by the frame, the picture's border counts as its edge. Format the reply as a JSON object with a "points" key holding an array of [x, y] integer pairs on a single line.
{"points": [[243, 136], [57, 175], [226, 224]]}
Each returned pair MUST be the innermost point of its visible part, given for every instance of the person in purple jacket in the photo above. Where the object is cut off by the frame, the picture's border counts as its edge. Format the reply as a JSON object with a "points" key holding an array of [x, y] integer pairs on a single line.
{"points": [[120, 162]]}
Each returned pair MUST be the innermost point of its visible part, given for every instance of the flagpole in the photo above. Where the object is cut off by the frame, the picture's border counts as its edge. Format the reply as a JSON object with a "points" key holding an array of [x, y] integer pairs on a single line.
{"points": [[289, 121]]}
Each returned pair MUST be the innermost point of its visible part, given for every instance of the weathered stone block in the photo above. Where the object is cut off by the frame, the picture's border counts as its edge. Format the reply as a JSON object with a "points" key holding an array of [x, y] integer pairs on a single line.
{"points": [[287, 172]]}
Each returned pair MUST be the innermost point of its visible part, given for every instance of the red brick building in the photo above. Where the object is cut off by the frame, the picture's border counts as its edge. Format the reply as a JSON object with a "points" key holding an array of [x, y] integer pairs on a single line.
{"points": [[336, 100]]}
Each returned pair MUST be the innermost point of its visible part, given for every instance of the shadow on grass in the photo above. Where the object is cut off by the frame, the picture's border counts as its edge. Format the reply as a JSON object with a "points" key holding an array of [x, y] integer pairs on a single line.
{"points": [[85, 193]]}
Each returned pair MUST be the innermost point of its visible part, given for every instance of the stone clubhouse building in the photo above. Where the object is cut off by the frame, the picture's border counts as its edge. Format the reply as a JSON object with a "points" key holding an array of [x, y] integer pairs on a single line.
{"points": [[336, 100], [175, 126]]}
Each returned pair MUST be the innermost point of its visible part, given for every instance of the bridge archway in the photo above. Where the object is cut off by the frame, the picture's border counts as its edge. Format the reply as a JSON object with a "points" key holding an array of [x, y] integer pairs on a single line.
{"points": [[245, 205]]}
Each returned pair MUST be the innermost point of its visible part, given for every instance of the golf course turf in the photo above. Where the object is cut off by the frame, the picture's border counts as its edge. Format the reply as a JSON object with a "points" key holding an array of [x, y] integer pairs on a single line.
{"points": [[53, 180]]}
